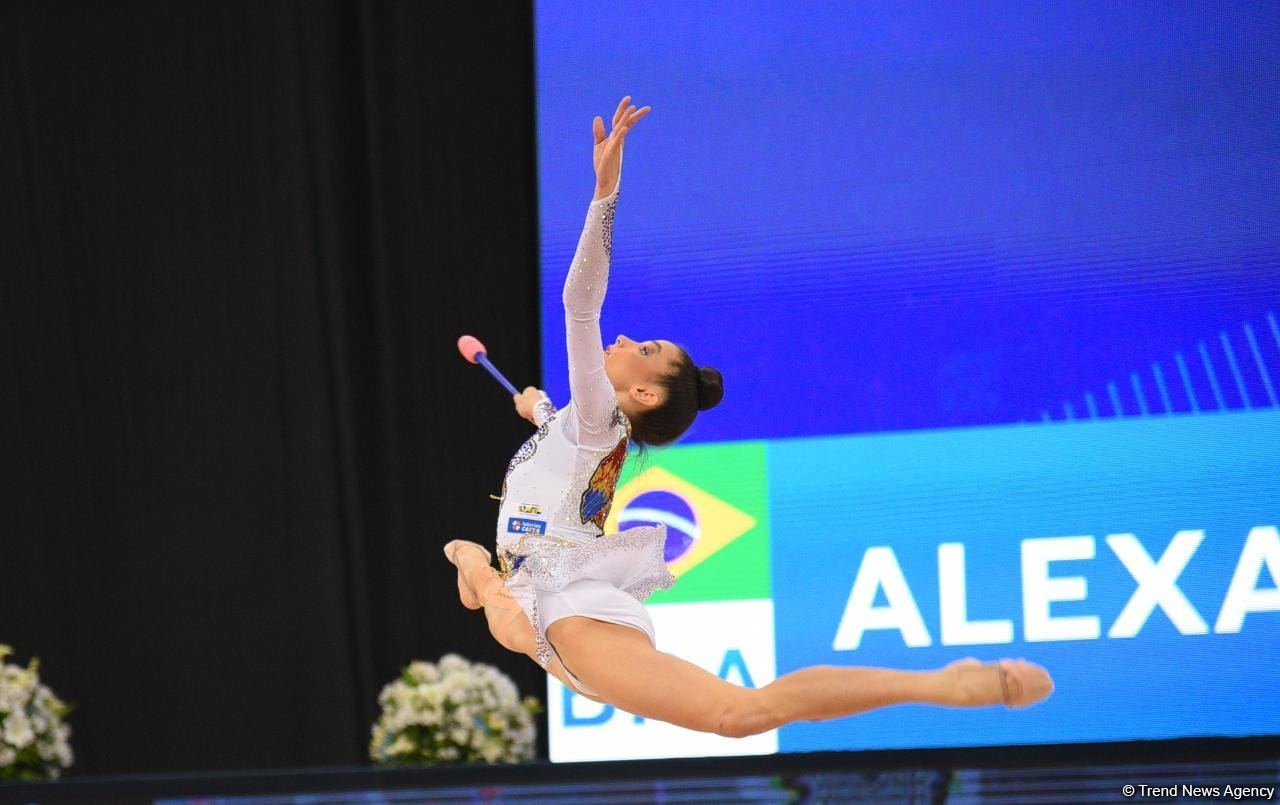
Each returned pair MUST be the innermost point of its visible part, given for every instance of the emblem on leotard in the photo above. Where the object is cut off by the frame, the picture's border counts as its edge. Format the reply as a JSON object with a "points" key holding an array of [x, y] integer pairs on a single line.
{"points": [[598, 496], [530, 508]]}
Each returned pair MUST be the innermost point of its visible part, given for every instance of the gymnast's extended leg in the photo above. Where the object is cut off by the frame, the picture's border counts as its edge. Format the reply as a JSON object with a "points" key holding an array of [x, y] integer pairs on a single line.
{"points": [[479, 586], [626, 670]]}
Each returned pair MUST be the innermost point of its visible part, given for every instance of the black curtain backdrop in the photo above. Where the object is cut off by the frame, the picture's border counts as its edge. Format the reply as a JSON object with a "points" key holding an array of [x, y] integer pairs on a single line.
{"points": [[239, 241]]}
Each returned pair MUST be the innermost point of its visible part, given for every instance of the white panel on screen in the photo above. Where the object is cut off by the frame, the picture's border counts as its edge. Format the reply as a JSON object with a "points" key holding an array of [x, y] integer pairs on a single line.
{"points": [[733, 639]]}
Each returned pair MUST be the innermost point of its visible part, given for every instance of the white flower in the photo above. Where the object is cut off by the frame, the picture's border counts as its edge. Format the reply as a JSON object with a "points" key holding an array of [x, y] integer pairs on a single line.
{"points": [[396, 694], [423, 671], [453, 662], [17, 730], [29, 712], [429, 719], [13, 698], [473, 709], [393, 722], [506, 690], [25, 680]]}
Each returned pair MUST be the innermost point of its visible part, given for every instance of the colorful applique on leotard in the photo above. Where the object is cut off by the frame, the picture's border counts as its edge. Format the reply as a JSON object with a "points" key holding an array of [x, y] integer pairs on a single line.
{"points": [[597, 499]]}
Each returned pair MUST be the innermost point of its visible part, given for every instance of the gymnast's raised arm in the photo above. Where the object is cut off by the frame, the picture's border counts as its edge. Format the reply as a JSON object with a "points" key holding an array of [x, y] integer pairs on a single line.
{"points": [[593, 396]]}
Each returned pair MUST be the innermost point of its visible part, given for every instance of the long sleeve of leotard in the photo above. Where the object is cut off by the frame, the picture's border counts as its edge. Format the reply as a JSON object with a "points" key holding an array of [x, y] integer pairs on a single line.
{"points": [[594, 399], [542, 410]]}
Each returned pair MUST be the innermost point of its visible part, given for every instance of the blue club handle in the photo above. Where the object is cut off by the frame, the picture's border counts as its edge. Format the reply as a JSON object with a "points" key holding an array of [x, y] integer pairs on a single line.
{"points": [[483, 360]]}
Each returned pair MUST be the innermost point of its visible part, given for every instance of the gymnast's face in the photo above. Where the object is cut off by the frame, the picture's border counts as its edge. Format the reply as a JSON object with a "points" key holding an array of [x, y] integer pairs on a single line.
{"points": [[634, 369]]}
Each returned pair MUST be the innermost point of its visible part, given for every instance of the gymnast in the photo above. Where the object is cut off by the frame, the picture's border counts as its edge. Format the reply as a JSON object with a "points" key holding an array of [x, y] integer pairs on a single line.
{"points": [[570, 596]]}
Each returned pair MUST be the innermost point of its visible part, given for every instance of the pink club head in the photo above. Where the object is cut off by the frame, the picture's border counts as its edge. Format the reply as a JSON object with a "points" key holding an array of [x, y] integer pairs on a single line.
{"points": [[469, 345]]}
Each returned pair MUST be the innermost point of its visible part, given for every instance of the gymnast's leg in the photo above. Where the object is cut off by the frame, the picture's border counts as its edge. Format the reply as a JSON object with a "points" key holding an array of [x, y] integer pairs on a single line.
{"points": [[625, 670], [479, 586]]}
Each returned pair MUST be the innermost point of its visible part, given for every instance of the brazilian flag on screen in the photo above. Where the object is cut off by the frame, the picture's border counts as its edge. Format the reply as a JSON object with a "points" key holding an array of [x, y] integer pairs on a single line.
{"points": [[713, 499]]}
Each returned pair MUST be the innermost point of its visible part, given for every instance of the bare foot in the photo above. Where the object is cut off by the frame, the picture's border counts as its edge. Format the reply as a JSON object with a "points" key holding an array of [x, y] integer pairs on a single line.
{"points": [[465, 562], [1013, 683], [1032, 680]]}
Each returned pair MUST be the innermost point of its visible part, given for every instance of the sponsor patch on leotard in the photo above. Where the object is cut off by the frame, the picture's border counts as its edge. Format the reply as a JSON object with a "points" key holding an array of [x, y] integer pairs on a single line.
{"points": [[522, 525], [530, 508]]}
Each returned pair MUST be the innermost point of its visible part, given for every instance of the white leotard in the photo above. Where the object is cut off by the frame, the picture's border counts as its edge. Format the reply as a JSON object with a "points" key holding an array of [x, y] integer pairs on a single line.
{"points": [[561, 480], [552, 549]]}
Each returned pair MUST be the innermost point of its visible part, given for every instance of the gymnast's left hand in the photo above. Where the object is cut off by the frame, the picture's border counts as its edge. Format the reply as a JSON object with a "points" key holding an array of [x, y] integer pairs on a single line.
{"points": [[607, 156], [525, 402]]}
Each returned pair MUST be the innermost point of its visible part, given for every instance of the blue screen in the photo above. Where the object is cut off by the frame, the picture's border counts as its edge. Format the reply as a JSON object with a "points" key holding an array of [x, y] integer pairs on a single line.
{"points": [[947, 256]]}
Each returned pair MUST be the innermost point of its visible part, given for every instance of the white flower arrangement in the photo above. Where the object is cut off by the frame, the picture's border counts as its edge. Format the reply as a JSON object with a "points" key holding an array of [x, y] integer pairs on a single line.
{"points": [[33, 739], [453, 711]]}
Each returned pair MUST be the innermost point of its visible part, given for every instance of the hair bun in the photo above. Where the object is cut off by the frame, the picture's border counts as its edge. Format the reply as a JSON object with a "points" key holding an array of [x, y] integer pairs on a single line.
{"points": [[710, 388]]}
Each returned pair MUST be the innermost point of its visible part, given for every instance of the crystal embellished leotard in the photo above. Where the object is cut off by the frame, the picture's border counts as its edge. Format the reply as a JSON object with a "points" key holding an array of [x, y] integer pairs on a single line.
{"points": [[552, 548]]}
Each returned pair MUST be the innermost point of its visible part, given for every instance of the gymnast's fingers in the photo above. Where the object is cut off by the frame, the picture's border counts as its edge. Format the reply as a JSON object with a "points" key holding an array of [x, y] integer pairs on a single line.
{"points": [[633, 117], [618, 113], [619, 134], [625, 116]]}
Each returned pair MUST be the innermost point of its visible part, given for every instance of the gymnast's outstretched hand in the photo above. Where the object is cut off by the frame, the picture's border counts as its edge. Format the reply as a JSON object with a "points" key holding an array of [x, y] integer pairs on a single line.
{"points": [[607, 156]]}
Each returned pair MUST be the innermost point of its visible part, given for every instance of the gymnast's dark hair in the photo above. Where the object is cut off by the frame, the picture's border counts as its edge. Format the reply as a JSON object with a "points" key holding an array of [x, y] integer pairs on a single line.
{"points": [[690, 389]]}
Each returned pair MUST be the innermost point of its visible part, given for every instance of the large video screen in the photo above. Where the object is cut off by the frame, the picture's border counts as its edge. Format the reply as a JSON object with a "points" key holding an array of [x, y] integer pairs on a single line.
{"points": [[995, 291]]}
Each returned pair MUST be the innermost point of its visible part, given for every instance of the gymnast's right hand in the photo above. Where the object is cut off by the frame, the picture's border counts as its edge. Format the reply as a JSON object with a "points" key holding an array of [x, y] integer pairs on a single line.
{"points": [[607, 154], [525, 401]]}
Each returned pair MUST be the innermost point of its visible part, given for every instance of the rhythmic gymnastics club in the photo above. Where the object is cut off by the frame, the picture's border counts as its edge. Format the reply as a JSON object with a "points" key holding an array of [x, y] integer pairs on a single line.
{"points": [[473, 350]]}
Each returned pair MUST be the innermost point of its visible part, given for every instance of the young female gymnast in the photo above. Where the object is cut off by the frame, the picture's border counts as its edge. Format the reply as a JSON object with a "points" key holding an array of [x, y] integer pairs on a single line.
{"points": [[569, 596]]}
